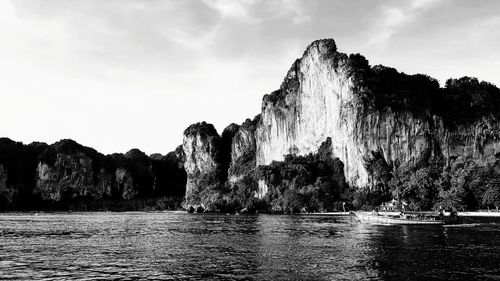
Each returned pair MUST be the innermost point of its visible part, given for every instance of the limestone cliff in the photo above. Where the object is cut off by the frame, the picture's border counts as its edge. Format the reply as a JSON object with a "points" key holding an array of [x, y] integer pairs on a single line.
{"points": [[68, 171], [329, 94], [201, 146], [243, 151], [220, 169], [67, 175], [227, 137], [334, 119], [70, 177], [242, 175]]}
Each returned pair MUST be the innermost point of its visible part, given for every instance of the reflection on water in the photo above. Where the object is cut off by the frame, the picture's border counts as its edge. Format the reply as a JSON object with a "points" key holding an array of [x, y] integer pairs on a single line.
{"points": [[173, 246]]}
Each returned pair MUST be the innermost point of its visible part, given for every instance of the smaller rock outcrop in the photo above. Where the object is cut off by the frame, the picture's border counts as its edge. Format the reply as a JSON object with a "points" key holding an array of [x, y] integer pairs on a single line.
{"points": [[243, 151], [125, 183], [201, 146], [67, 171]]}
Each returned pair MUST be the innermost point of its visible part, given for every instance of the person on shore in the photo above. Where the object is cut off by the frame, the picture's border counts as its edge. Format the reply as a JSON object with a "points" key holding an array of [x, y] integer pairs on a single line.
{"points": [[441, 213]]}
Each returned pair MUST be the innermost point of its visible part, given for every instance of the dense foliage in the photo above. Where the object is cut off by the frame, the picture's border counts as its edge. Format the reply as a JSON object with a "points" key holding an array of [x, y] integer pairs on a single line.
{"points": [[170, 176], [153, 178], [311, 183], [202, 129], [461, 100], [463, 185], [19, 162]]}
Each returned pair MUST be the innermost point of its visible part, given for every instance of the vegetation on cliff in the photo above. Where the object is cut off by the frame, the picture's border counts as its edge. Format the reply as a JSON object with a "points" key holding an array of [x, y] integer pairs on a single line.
{"points": [[460, 101], [156, 183], [464, 184], [220, 172], [444, 159], [19, 163], [312, 183]]}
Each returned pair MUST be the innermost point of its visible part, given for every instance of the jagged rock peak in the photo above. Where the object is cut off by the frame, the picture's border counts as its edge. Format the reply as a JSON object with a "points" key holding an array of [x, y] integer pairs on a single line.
{"points": [[202, 129], [319, 51], [322, 46], [136, 154]]}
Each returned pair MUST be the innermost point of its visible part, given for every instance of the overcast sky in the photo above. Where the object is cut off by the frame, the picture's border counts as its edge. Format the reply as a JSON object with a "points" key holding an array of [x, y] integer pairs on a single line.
{"points": [[120, 74]]}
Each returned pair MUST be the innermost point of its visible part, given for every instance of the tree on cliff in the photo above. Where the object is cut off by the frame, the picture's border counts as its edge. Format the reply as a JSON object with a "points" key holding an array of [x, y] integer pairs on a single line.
{"points": [[170, 176], [460, 101], [492, 195], [470, 98], [19, 162], [314, 182]]}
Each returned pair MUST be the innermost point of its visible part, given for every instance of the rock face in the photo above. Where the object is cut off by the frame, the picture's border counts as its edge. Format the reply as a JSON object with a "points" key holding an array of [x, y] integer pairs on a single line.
{"points": [[320, 97], [227, 137], [70, 172], [243, 148], [71, 176], [220, 169], [201, 146], [125, 183], [383, 131], [335, 120]]}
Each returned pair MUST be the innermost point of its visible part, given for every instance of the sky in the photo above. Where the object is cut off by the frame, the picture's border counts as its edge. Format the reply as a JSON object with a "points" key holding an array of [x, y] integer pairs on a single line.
{"points": [[122, 74]]}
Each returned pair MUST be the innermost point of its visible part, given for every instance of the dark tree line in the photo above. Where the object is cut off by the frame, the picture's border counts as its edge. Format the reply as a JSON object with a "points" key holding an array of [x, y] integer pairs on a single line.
{"points": [[460, 101], [153, 177], [310, 183]]}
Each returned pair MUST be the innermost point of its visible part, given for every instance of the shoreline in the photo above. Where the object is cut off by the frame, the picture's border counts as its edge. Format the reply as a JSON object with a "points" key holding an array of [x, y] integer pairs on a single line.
{"points": [[492, 214]]}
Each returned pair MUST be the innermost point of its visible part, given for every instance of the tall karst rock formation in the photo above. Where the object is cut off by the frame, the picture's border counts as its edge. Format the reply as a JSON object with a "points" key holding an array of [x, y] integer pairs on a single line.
{"points": [[330, 94], [203, 162], [375, 120]]}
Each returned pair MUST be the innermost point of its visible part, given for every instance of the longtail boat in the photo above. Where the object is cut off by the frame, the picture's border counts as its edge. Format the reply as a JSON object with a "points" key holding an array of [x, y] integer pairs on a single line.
{"points": [[419, 218]]}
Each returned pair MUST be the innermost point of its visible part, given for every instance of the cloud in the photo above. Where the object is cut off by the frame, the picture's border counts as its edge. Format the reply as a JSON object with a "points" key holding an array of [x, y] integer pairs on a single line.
{"points": [[118, 74], [231, 8], [397, 16], [260, 11]]}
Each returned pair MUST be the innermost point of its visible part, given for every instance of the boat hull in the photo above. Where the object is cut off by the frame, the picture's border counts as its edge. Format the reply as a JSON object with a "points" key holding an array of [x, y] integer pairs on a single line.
{"points": [[367, 217]]}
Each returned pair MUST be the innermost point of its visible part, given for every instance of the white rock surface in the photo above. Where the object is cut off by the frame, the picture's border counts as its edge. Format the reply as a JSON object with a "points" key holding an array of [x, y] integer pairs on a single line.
{"points": [[323, 104]]}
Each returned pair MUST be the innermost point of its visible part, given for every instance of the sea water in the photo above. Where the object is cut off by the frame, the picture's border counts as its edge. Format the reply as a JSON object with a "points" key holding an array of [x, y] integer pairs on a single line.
{"points": [[179, 246]]}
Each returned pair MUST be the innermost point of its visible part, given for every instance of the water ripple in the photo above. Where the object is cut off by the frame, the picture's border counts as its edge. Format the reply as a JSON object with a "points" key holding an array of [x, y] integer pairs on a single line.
{"points": [[173, 246]]}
